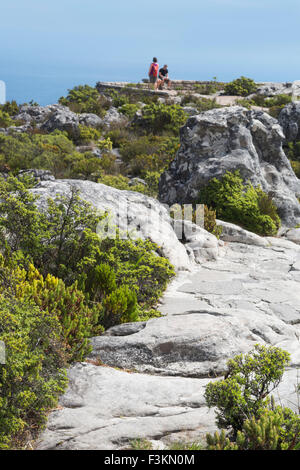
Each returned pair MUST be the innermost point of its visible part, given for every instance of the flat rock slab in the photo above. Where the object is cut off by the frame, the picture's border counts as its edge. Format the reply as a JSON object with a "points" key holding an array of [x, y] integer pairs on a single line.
{"points": [[106, 409], [250, 295]]}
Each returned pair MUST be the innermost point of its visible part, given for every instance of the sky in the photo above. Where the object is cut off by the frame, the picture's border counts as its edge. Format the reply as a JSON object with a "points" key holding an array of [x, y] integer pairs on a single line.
{"points": [[49, 46]]}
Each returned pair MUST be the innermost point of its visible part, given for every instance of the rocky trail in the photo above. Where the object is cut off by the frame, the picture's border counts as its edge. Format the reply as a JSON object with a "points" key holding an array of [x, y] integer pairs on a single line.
{"points": [[147, 380]]}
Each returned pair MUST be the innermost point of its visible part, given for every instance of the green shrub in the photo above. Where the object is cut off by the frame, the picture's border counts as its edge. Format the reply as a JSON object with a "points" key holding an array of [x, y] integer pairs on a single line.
{"points": [[85, 99], [5, 119], [241, 204], [202, 104], [137, 265], [296, 168], [208, 88], [159, 117], [241, 87], [68, 304], [278, 100], [148, 153], [10, 107], [88, 134], [62, 241], [129, 109], [210, 223], [275, 429], [33, 377], [119, 307], [243, 393]]}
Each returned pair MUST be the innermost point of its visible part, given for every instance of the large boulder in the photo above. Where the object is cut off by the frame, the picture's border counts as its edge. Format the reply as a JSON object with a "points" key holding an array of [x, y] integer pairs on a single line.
{"points": [[230, 139], [289, 119]]}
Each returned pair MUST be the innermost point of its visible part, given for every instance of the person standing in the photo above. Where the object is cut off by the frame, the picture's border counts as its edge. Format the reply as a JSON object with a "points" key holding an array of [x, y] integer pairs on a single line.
{"points": [[153, 73]]}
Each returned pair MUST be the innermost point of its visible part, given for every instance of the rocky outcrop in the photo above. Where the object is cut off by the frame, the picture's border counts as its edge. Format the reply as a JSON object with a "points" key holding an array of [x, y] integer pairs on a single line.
{"points": [[234, 233], [273, 89], [249, 295], [232, 139], [293, 235], [289, 119], [52, 117], [114, 117]]}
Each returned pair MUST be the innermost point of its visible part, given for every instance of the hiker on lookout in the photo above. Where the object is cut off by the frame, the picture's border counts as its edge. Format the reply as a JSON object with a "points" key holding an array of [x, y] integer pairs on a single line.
{"points": [[153, 73], [164, 76]]}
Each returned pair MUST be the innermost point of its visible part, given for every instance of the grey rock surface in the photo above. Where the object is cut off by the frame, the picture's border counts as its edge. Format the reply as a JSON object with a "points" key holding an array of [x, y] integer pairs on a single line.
{"points": [[106, 409], [249, 295], [230, 139], [234, 233], [293, 235], [273, 88], [114, 117], [289, 119], [52, 117]]}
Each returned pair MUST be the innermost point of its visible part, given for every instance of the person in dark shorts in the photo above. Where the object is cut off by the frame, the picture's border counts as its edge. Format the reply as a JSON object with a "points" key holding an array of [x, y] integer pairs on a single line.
{"points": [[164, 76], [153, 73]]}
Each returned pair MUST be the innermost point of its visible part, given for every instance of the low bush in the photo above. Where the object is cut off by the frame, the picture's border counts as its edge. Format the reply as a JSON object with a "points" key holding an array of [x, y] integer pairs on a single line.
{"points": [[33, 377], [276, 429], [201, 104], [129, 109], [241, 87], [5, 119], [85, 99], [243, 393], [296, 168], [148, 153], [10, 107], [159, 117], [245, 408], [241, 204]]}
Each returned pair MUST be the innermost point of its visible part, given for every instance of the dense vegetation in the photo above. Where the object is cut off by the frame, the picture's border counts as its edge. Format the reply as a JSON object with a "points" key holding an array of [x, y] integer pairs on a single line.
{"points": [[241, 87], [60, 283], [241, 204]]}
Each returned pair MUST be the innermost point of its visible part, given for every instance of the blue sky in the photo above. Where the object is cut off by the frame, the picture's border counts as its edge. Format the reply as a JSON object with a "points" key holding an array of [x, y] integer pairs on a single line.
{"points": [[49, 46]]}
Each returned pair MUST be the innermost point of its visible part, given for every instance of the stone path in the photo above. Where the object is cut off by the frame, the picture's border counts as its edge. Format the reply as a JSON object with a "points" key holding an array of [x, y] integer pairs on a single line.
{"points": [[249, 295]]}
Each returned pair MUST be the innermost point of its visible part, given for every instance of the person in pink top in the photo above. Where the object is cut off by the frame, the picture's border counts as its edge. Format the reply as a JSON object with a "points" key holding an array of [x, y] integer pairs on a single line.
{"points": [[153, 73]]}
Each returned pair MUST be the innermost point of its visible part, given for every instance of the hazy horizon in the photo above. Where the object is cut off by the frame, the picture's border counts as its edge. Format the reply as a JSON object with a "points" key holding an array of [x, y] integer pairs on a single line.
{"points": [[53, 46]]}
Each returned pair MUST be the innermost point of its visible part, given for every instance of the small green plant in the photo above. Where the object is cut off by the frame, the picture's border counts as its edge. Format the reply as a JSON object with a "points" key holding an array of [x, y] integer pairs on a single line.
{"points": [[5, 119], [159, 117], [34, 374], [243, 393], [296, 168], [85, 99], [241, 204], [129, 109], [241, 87], [10, 107], [276, 428]]}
